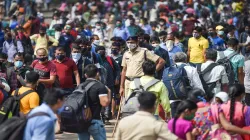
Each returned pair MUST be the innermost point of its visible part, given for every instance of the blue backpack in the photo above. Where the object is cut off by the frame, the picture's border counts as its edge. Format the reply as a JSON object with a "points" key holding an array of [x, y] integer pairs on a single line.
{"points": [[176, 80]]}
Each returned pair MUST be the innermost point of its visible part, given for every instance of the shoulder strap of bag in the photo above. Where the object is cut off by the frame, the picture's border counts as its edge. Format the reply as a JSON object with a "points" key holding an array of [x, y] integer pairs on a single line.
{"points": [[231, 55], [110, 61], [145, 55], [38, 114], [209, 68], [89, 85], [150, 83], [19, 97], [137, 83]]}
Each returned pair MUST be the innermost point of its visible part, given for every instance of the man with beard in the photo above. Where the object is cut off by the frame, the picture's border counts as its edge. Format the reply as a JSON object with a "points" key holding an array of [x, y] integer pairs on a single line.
{"points": [[113, 77]]}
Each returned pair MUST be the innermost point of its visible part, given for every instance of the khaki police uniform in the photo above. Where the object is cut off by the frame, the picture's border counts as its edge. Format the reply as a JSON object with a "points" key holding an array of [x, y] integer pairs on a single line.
{"points": [[133, 61]]}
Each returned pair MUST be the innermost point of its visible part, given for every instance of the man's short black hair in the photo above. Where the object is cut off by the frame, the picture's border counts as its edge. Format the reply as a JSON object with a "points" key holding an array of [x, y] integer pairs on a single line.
{"points": [[60, 49], [233, 42], [3, 56], [154, 39], [52, 95], [99, 48], [147, 100], [75, 46], [18, 54], [91, 71], [198, 29], [163, 33], [211, 54], [32, 77], [149, 67]]}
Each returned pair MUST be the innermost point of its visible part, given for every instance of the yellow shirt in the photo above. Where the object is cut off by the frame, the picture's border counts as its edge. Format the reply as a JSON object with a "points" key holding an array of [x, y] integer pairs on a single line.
{"points": [[159, 89], [29, 101], [196, 47], [42, 42]]}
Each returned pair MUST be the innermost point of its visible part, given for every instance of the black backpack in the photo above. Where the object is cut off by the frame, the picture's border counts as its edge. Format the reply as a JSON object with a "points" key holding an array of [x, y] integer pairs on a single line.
{"points": [[228, 67], [207, 87], [13, 128], [76, 116], [11, 107]]}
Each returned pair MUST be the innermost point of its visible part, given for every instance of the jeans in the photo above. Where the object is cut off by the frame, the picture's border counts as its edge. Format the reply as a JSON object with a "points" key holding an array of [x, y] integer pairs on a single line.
{"points": [[194, 64], [107, 112], [173, 107], [96, 130]]}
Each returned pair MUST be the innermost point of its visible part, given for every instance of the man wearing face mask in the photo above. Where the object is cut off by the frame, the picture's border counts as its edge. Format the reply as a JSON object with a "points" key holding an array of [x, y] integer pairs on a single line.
{"points": [[42, 40], [80, 60], [132, 63], [11, 46], [162, 37], [133, 29], [215, 41], [102, 34], [115, 51], [171, 48], [155, 42], [197, 46], [66, 40], [46, 69], [65, 68], [31, 100], [119, 31], [20, 69], [113, 77]]}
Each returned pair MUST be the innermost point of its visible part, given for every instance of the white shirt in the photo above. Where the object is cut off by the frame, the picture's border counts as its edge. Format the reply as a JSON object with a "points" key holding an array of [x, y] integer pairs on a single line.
{"points": [[193, 76], [218, 73]]}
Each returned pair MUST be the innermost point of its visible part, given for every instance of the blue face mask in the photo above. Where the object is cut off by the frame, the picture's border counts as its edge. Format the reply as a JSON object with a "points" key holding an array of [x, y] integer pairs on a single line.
{"points": [[18, 64]]}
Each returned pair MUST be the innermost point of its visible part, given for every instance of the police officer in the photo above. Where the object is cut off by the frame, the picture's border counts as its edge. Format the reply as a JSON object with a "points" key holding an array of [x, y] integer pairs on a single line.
{"points": [[132, 63]]}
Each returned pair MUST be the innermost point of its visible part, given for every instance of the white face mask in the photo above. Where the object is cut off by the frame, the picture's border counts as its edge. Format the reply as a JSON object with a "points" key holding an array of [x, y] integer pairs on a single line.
{"points": [[155, 45], [131, 46], [96, 42], [169, 45], [76, 56], [98, 27]]}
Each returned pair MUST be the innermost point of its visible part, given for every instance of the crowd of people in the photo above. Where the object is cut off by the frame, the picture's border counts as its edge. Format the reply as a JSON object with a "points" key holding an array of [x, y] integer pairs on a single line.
{"points": [[169, 69]]}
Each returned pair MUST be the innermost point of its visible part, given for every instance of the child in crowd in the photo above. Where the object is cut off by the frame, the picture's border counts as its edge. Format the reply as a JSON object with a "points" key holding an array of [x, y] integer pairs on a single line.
{"points": [[181, 124]]}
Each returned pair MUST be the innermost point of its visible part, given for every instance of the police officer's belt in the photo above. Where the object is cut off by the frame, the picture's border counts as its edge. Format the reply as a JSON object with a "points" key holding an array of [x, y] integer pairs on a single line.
{"points": [[131, 79]]}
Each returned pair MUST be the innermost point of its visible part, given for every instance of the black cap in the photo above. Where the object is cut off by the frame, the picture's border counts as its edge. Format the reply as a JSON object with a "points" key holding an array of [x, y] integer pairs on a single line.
{"points": [[135, 38], [116, 38]]}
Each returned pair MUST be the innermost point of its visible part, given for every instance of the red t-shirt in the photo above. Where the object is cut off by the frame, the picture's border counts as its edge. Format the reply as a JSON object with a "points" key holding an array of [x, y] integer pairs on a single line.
{"points": [[44, 70], [65, 71]]}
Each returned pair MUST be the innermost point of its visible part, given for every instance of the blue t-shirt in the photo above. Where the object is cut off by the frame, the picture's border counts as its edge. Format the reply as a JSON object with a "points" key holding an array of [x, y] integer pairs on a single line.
{"points": [[217, 43]]}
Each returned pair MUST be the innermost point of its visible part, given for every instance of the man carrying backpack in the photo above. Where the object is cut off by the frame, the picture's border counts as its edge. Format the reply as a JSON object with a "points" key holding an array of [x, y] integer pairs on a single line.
{"points": [[179, 79], [98, 96], [212, 74], [235, 64], [153, 85], [30, 98], [42, 127]]}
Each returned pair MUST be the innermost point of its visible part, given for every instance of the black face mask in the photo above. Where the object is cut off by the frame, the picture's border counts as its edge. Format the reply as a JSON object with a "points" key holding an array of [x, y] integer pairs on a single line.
{"points": [[60, 57], [102, 54], [43, 59], [42, 34]]}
